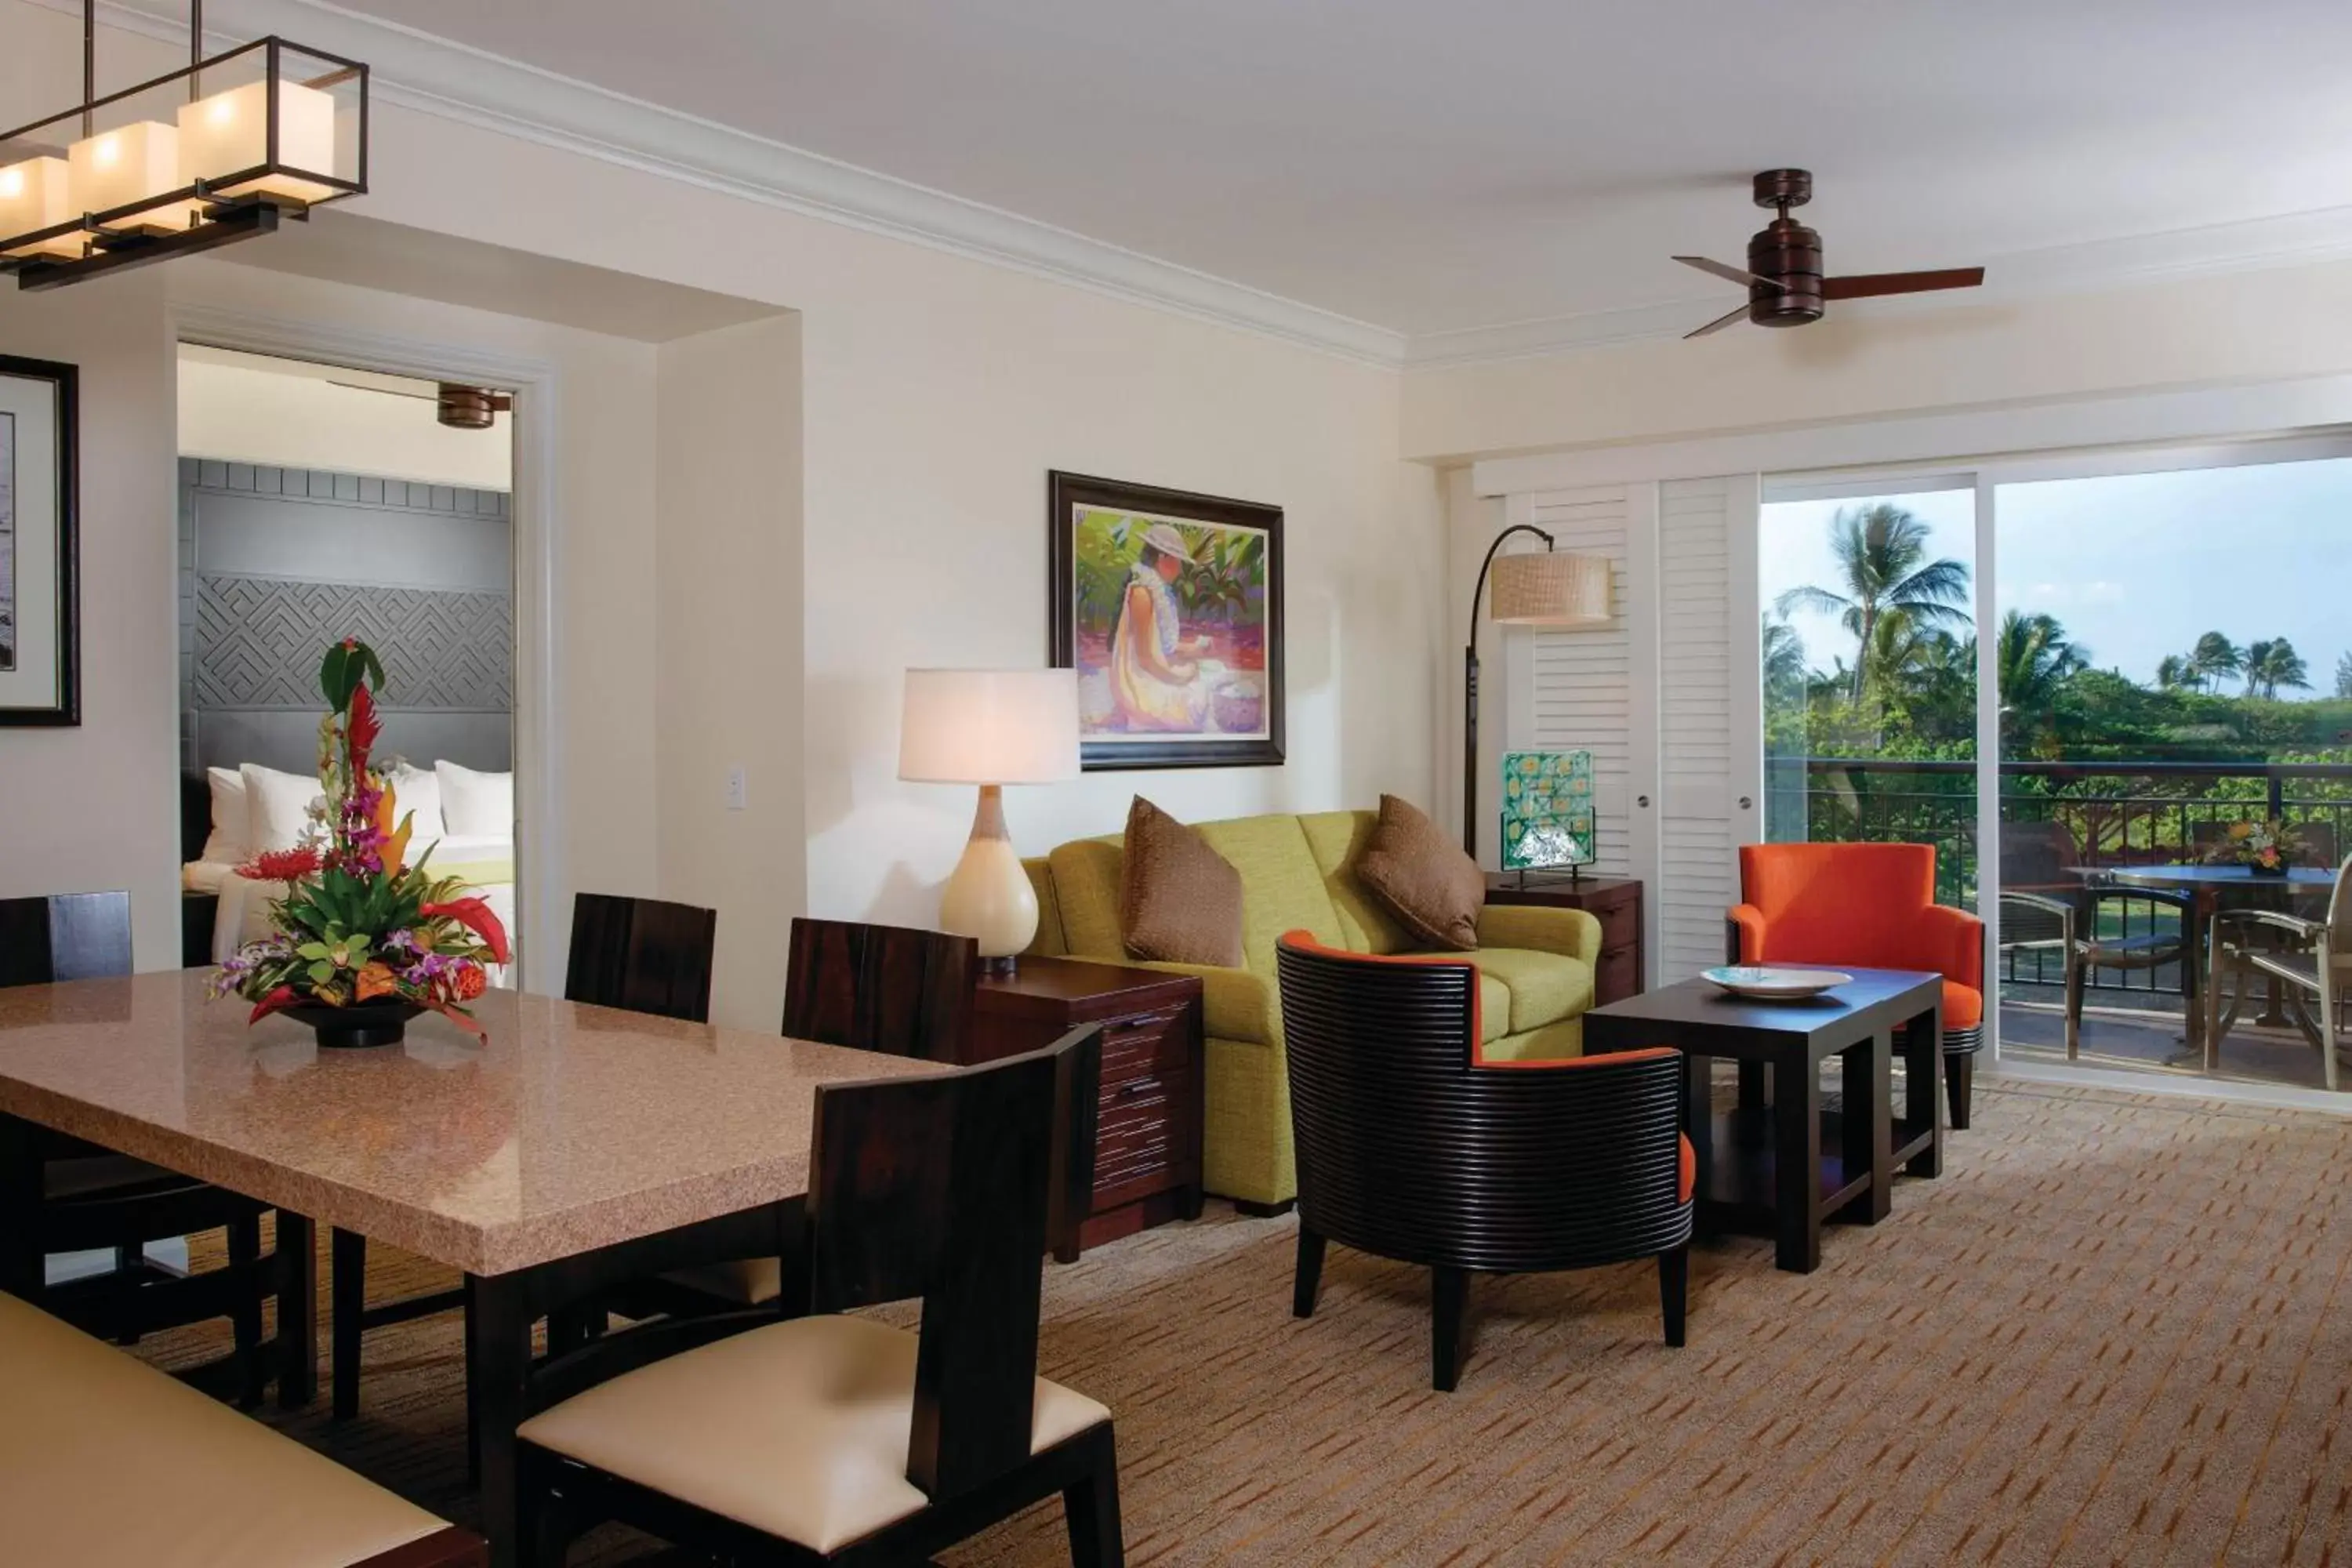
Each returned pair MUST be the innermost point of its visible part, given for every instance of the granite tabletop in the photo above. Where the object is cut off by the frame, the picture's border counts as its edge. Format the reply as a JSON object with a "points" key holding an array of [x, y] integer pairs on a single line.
{"points": [[572, 1128]]}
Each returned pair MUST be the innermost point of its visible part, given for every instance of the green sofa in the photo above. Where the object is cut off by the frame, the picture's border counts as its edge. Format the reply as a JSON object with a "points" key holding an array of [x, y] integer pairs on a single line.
{"points": [[1534, 968]]}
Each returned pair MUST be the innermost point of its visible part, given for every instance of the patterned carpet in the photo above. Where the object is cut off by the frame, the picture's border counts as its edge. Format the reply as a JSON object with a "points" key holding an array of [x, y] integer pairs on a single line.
{"points": [[2118, 1331]]}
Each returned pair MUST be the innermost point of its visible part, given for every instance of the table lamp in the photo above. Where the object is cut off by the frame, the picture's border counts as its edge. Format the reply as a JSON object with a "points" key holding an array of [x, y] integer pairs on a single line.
{"points": [[989, 728]]}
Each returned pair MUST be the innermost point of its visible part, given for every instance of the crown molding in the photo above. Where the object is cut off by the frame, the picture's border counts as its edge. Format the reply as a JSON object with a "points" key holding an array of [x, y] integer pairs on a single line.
{"points": [[439, 77]]}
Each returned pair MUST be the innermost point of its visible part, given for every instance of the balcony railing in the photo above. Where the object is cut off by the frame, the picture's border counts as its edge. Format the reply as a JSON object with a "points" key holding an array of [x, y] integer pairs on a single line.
{"points": [[2105, 813]]}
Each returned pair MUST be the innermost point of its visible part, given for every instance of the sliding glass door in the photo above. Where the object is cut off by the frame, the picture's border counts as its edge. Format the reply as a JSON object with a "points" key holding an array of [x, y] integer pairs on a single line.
{"points": [[2098, 684]]}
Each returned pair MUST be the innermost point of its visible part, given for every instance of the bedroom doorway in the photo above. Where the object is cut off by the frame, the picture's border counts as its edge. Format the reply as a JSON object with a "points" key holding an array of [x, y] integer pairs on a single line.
{"points": [[317, 503]]}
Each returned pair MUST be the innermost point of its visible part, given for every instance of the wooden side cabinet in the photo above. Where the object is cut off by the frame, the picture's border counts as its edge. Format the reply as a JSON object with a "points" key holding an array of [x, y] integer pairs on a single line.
{"points": [[1149, 1127], [1614, 901]]}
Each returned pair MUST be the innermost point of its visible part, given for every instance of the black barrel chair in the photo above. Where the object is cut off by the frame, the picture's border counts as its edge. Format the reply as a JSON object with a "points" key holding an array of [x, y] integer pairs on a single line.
{"points": [[1412, 1146]]}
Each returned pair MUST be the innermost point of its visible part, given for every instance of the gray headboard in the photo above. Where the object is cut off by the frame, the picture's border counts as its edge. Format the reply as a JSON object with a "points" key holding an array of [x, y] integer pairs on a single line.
{"points": [[275, 563]]}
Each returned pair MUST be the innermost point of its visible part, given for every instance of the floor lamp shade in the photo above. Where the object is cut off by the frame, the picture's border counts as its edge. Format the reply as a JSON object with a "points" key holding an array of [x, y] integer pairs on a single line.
{"points": [[989, 728], [1550, 588]]}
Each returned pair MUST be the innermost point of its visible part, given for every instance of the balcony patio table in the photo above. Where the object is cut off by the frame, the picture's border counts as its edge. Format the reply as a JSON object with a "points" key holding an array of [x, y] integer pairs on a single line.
{"points": [[2210, 888]]}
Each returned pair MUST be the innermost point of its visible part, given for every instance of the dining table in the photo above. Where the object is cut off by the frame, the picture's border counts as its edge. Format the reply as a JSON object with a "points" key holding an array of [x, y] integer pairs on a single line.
{"points": [[565, 1142], [2209, 890]]}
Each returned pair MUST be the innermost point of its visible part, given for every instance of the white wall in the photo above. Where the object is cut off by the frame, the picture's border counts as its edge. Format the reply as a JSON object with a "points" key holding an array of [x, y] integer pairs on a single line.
{"points": [[2242, 327], [288, 418], [730, 658], [96, 807], [937, 392]]}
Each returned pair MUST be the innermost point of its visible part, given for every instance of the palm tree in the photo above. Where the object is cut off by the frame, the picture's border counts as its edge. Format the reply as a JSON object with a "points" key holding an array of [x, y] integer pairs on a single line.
{"points": [[2214, 656], [2173, 672], [2035, 657], [2271, 664], [1784, 658], [1882, 553]]}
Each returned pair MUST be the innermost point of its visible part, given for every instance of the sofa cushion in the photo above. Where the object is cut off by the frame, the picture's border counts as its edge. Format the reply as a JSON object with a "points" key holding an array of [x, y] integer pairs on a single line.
{"points": [[1544, 987], [1423, 876], [1085, 889], [1494, 1000], [1281, 888], [1336, 840], [1180, 901]]}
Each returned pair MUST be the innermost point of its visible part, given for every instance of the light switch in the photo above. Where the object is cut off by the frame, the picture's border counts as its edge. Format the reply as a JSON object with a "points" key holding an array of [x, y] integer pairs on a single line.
{"points": [[738, 790]]}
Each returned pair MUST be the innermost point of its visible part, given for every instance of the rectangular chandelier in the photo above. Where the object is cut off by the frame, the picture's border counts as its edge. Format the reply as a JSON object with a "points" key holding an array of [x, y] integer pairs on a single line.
{"points": [[215, 152]]}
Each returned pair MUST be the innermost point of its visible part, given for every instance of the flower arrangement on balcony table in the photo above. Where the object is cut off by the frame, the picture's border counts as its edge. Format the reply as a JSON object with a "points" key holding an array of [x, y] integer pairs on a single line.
{"points": [[359, 923], [2265, 846]]}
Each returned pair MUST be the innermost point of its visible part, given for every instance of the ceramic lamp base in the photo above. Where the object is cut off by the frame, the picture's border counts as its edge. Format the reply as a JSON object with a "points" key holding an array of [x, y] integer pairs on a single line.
{"points": [[989, 898]]}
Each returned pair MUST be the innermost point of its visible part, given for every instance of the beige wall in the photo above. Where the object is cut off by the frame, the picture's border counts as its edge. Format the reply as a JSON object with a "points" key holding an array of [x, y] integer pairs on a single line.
{"points": [[936, 391], [728, 575], [96, 807], [2240, 326]]}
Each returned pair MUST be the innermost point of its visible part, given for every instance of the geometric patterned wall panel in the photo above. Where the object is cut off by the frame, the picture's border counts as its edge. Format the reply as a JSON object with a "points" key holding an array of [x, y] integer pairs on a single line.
{"points": [[260, 641]]}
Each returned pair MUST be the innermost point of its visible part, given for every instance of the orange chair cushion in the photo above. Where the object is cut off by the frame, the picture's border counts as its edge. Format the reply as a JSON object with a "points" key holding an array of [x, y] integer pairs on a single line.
{"points": [[1963, 1005]]}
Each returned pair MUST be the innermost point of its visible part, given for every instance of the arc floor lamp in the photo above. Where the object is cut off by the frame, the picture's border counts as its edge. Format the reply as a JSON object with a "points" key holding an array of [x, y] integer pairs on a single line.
{"points": [[1549, 588]]}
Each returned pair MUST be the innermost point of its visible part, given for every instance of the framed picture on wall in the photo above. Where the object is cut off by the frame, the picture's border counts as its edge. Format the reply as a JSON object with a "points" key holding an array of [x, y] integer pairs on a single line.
{"points": [[1169, 606], [40, 637]]}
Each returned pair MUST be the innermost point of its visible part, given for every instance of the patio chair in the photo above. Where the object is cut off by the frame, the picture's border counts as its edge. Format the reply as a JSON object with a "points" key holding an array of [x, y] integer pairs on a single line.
{"points": [[2312, 959], [2072, 927]]}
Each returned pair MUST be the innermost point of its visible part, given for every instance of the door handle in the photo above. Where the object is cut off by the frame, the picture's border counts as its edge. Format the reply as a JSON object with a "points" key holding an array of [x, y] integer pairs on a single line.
{"points": [[1746, 803], [1642, 800]]}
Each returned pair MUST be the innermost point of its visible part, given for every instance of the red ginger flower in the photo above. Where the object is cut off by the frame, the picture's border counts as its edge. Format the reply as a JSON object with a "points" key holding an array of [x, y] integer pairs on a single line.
{"points": [[280, 866], [476, 916], [364, 729]]}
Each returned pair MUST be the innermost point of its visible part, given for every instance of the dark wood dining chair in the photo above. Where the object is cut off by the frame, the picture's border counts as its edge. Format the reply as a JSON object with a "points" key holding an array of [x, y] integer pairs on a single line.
{"points": [[92, 1199], [759, 1439], [879, 988], [641, 955]]}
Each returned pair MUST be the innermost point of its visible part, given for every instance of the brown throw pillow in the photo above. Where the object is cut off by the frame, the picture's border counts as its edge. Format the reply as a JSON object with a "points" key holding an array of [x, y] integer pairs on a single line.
{"points": [[1423, 876], [1179, 900]]}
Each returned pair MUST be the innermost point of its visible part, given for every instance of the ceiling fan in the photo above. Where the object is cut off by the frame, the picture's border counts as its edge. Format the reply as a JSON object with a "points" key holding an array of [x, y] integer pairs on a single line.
{"points": [[461, 407], [1783, 275]]}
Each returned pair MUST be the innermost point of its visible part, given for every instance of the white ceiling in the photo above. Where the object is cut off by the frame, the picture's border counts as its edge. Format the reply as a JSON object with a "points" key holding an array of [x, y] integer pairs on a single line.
{"points": [[1434, 167], [1433, 179]]}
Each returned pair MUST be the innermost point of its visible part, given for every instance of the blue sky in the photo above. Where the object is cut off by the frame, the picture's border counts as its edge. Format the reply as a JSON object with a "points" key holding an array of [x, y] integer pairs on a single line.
{"points": [[2135, 565]]}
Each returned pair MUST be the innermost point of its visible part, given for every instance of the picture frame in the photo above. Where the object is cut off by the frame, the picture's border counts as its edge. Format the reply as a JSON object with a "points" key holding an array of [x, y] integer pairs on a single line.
{"points": [[1169, 606], [40, 606]]}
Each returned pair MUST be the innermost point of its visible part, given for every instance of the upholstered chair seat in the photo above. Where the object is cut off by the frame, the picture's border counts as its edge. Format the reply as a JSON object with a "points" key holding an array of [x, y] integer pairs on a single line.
{"points": [[799, 1429]]}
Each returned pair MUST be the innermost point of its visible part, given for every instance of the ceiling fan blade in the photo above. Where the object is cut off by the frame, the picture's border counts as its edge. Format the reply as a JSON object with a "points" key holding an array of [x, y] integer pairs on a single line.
{"points": [[1724, 270], [1867, 284], [385, 391], [1718, 323]]}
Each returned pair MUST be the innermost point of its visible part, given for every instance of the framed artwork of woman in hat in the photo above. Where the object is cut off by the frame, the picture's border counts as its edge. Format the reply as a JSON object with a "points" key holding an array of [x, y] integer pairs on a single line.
{"points": [[1169, 606]]}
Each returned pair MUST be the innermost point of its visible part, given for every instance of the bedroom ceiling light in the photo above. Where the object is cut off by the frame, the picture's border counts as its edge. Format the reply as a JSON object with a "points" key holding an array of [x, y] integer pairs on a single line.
{"points": [[219, 151]]}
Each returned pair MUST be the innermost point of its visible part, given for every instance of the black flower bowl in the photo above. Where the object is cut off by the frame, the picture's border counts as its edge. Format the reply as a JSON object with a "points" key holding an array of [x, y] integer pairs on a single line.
{"points": [[382, 1022]]}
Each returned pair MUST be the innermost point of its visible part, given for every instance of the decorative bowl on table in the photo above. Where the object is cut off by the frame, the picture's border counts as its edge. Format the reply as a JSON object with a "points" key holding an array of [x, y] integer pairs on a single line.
{"points": [[358, 1025], [1761, 983]]}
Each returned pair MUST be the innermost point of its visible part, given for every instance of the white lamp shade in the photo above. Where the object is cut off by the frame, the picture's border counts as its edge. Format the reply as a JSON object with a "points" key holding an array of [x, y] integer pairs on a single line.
{"points": [[35, 195], [1550, 588], [129, 163], [989, 726], [229, 133]]}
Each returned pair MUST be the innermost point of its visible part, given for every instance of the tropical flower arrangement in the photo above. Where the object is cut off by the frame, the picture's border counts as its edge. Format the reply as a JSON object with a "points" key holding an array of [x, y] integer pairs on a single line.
{"points": [[2265, 845], [361, 926]]}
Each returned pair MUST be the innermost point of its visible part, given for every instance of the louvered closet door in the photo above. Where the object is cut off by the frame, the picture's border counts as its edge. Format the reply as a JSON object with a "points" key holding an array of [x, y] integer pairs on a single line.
{"points": [[1710, 739], [1585, 689]]}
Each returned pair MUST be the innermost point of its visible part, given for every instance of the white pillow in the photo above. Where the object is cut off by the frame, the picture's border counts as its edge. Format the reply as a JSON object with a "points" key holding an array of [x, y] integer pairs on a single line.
{"points": [[277, 807], [232, 819], [476, 805], [418, 790]]}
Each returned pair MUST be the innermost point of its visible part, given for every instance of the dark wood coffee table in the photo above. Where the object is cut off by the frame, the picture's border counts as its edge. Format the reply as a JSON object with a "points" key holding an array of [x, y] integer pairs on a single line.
{"points": [[1780, 1166]]}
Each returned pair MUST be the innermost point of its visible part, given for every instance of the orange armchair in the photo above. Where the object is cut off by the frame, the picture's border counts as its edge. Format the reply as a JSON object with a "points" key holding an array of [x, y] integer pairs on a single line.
{"points": [[1871, 906]]}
